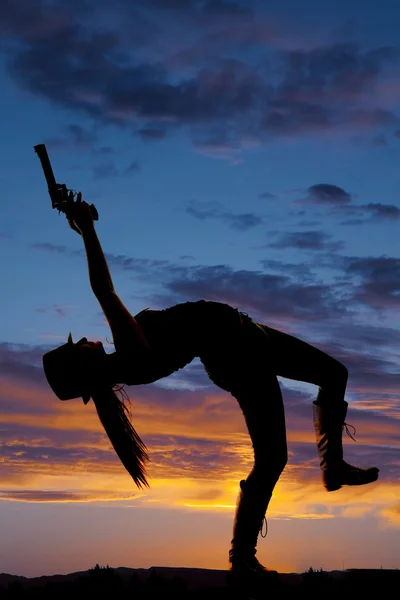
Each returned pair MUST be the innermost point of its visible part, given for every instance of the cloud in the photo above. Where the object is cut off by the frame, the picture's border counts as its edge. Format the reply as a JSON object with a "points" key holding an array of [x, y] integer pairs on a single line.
{"points": [[239, 222], [44, 496], [50, 247], [60, 311], [203, 211], [141, 266], [343, 71], [194, 429], [379, 281], [273, 297], [326, 193], [223, 7], [21, 362], [33, 20], [243, 222], [392, 513], [267, 196], [339, 202], [293, 292], [135, 72], [306, 240], [297, 270], [105, 171], [75, 136], [134, 167], [104, 150], [379, 141], [172, 5], [366, 282], [381, 211], [151, 134]]}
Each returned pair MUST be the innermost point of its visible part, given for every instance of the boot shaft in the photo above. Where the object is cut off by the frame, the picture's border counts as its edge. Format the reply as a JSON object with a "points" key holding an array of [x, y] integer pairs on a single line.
{"points": [[252, 504], [328, 424]]}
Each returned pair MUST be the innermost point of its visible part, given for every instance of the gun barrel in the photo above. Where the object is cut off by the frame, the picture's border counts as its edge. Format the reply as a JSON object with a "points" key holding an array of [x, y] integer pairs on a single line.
{"points": [[61, 197], [41, 151]]}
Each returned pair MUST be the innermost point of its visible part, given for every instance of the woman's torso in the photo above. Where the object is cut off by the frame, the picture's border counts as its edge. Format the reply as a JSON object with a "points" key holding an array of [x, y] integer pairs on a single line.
{"points": [[182, 332]]}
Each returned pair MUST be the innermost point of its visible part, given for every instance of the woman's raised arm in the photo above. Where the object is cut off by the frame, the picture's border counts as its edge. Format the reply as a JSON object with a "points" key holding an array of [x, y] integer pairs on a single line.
{"points": [[124, 327]]}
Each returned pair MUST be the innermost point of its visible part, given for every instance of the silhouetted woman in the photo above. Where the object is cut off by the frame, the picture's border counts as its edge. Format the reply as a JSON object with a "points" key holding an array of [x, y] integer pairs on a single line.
{"points": [[240, 356]]}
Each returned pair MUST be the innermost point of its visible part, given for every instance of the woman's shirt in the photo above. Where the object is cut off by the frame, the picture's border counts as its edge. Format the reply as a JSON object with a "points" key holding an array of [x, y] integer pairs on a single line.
{"points": [[178, 334]]}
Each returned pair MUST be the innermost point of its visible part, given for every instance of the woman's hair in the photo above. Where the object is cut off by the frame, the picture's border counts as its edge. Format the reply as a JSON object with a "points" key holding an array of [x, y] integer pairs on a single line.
{"points": [[115, 418], [71, 376]]}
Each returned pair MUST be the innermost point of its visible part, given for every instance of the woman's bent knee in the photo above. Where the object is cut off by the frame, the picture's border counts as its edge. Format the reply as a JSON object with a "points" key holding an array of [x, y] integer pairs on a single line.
{"points": [[334, 377], [270, 466]]}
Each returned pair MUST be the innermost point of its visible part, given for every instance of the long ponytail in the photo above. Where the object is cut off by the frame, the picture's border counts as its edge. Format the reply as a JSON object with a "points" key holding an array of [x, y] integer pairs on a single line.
{"points": [[115, 418]]}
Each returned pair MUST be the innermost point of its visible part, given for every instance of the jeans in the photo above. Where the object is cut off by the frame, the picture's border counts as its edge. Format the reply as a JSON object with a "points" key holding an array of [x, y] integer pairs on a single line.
{"points": [[248, 367]]}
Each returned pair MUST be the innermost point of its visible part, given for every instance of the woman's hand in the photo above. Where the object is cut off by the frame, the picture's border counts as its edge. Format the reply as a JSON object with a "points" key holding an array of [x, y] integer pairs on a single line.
{"points": [[80, 216]]}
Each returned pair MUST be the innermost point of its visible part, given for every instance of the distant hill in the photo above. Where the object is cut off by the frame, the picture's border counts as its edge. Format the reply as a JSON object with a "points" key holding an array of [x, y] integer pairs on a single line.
{"points": [[197, 579]]}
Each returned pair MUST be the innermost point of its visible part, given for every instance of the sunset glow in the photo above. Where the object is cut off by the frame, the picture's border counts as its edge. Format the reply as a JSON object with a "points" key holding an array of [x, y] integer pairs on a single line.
{"points": [[236, 152]]}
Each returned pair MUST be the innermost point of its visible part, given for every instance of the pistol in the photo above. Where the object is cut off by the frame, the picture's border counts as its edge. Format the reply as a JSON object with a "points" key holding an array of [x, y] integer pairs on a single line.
{"points": [[61, 197]]}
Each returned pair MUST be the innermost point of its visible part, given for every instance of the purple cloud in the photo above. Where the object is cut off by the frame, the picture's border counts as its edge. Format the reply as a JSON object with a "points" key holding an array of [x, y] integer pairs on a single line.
{"points": [[75, 136], [60, 496], [238, 222], [382, 211], [379, 281], [340, 202], [306, 240], [326, 193], [135, 74], [21, 362]]}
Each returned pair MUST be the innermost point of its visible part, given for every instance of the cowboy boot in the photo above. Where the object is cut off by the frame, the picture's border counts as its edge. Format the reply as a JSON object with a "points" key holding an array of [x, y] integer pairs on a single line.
{"points": [[249, 519], [329, 422]]}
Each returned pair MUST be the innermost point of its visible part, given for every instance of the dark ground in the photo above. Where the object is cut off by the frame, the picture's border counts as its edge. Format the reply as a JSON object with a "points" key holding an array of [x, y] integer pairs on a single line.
{"points": [[197, 584]]}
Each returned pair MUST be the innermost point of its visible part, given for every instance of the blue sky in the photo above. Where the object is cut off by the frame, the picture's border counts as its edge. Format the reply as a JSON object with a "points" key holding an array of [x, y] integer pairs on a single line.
{"points": [[235, 152]]}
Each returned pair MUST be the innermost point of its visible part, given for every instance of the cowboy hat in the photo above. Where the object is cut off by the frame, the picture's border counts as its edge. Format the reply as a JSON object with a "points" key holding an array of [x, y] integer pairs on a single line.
{"points": [[65, 372]]}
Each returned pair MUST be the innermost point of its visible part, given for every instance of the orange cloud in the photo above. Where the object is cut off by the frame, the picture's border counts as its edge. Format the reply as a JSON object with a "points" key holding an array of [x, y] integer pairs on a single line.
{"points": [[198, 456]]}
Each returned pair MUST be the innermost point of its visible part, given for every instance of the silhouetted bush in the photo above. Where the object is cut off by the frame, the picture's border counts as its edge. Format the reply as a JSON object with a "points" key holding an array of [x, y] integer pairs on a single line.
{"points": [[316, 578], [101, 581]]}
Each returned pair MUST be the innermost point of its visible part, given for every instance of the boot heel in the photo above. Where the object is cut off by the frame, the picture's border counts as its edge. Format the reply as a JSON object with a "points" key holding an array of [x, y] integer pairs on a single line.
{"points": [[331, 481]]}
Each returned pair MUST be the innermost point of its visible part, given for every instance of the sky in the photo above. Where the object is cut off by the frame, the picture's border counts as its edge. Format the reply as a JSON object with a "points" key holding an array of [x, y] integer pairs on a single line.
{"points": [[241, 152]]}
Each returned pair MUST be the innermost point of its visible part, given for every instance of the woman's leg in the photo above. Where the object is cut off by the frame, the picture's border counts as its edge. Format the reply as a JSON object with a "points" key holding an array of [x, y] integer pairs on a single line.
{"points": [[295, 359], [262, 406]]}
